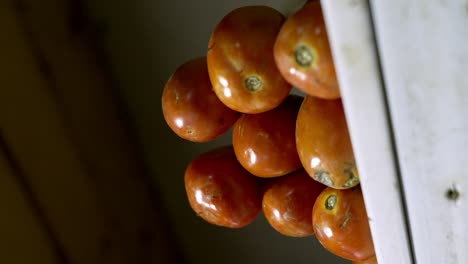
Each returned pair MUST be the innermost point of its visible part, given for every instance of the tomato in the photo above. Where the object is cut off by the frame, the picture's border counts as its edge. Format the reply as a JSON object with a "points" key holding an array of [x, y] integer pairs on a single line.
{"points": [[191, 108], [220, 191], [288, 203], [265, 143], [240, 60], [323, 143], [302, 53], [341, 224], [372, 260]]}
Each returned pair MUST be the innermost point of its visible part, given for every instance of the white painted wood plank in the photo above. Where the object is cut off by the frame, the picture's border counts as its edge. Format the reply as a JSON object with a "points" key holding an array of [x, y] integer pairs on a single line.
{"points": [[350, 32], [424, 51]]}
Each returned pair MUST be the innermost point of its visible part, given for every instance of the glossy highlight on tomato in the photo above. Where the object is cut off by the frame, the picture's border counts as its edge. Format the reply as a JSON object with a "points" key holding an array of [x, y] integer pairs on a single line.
{"points": [[265, 143], [288, 203], [323, 143], [191, 108], [303, 55], [240, 60], [220, 191], [341, 224]]}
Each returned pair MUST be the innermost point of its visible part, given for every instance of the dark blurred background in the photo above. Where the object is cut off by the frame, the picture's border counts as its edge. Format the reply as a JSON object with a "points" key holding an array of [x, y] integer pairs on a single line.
{"points": [[89, 171]]}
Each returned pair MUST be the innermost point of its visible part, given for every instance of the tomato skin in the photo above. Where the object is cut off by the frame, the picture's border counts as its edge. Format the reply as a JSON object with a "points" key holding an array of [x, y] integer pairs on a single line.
{"points": [[222, 192], [372, 260], [288, 203], [265, 143], [323, 143], [341, 224], [240, 60], [190, 107], [303, 55]]}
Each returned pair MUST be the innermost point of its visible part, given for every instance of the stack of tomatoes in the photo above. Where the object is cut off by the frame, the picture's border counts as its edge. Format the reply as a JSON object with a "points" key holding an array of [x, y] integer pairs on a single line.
{"points": [[291, 156]]}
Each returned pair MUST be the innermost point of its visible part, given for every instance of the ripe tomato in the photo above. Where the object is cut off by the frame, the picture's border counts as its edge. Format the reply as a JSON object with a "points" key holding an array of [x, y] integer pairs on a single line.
{"points": [[190, 107], [288, 203], [372, 260], [240, 60], [221, 191], [341, 224], [265, 143], [323, 143], [302, 53]]}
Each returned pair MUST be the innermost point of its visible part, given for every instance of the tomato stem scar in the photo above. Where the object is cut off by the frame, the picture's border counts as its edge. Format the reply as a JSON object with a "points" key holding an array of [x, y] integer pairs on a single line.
{"points": [[303, 55], [253, 83], [330, 203], [352, 179], [324, 177]]}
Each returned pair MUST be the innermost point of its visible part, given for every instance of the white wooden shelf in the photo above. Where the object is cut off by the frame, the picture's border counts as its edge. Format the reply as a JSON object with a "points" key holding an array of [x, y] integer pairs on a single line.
{"points": [[403, 71]]}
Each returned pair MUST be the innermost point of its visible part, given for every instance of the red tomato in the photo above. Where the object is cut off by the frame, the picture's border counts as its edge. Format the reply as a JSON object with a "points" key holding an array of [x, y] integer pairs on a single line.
{"points": [[240, 60], [288, 203], [265, 143], [191, 108], [324, 145], [341, 224], [221, 191], [302, 53]]}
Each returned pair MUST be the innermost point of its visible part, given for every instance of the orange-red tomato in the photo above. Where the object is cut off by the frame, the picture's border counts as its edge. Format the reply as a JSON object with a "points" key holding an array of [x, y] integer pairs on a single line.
{"points": [[221, 191], [191, 108], [372, 260], [341, 224], [302, 53], [265, 143], [288, 203], [323, 143], [240, 60]]}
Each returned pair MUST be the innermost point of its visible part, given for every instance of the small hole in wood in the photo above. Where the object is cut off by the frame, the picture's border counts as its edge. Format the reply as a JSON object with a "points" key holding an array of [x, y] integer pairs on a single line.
{"points": [[452, 194]]}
